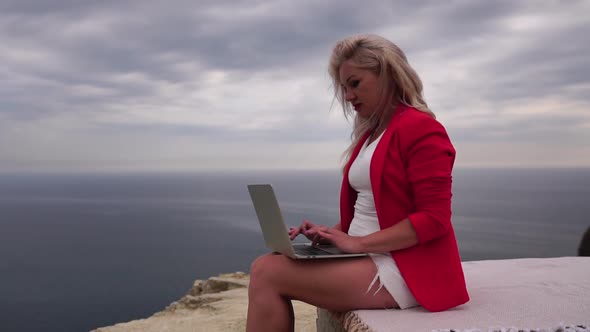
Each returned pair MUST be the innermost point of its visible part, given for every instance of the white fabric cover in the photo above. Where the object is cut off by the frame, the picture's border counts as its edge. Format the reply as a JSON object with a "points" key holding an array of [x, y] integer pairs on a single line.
{"points": [[531, 293]]}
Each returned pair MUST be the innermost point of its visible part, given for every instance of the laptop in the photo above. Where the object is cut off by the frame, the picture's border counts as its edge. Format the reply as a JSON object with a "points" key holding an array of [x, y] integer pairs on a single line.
{"points": [[275, 230]]}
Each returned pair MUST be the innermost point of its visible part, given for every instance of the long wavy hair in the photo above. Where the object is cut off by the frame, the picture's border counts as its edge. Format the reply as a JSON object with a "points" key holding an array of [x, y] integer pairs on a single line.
{"points": [[398, 82]]}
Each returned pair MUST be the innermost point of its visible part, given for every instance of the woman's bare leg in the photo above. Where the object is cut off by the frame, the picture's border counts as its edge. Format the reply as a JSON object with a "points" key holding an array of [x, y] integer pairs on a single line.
{"points": [[333, 284]]}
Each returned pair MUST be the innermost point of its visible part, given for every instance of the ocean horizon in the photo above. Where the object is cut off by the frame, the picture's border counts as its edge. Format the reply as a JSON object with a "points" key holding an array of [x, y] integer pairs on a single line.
{"points": [[84, 250]]}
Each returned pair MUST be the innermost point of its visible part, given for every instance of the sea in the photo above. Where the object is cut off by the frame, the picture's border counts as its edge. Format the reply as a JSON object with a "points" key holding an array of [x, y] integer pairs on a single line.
{"points": [[81, 251]]}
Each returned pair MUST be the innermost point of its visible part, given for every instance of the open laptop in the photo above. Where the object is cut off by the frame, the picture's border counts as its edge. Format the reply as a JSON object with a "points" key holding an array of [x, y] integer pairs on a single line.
{"points": [[275, 230]]}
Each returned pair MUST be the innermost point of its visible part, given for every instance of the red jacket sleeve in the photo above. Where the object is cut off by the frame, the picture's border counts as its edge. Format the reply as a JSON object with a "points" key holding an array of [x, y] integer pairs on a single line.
{"points": [[429, 157]]}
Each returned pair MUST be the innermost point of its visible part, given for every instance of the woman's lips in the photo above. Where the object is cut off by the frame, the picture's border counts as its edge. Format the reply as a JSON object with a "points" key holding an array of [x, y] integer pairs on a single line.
{"points": [[357, 107]]}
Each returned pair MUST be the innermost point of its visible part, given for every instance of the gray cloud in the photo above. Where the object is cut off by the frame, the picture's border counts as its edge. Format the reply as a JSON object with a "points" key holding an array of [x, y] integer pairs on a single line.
{"points": [[535, 131], [143, 67]]}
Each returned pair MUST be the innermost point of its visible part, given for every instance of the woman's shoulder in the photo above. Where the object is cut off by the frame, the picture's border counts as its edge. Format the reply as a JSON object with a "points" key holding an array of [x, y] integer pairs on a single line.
{"points": [[414, 122], [409, 114], [416, 129]]}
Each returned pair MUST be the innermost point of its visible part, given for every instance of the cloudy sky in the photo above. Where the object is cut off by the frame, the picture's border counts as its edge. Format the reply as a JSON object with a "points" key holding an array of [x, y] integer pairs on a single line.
{"points": [[233, 84]]}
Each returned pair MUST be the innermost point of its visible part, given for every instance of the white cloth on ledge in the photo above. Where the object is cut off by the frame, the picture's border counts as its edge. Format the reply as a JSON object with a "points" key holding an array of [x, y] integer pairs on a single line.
{"points": [[532, 293]]}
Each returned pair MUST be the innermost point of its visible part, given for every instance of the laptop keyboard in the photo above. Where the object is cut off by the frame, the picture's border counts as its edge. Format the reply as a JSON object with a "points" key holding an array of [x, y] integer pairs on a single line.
{"points": [[309, 251]]}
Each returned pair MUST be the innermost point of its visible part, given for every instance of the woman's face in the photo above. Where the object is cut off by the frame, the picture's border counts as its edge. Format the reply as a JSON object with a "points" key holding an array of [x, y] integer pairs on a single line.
{"points": [[361, 88]]}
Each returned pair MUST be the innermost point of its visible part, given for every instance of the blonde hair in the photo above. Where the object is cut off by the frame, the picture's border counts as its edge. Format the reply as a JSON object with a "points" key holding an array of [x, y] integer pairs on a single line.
{"points": [[399, 83]]}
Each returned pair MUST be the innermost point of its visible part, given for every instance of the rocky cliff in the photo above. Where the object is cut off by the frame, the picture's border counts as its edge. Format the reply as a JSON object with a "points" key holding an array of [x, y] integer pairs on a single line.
{"points": [[216, 304]]}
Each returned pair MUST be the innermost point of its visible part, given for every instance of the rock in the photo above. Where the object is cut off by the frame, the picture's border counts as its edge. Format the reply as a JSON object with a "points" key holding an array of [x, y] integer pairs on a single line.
{"points": [[584, 248], [216, 304], [197, 288], [219, 284], [235, 275], [196, 296], [190, 302], [214, 285]]}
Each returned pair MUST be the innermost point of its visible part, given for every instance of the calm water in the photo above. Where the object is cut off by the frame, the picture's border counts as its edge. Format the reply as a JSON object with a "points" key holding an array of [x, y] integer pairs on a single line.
{"points": [[82, 251]]}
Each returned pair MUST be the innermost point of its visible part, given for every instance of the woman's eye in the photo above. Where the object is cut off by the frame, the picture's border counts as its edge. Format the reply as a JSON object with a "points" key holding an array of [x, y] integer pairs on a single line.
{"points": [[354, 83]]}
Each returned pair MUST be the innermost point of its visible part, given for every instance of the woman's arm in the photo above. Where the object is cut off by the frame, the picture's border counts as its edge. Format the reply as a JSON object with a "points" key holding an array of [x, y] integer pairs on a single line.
{"points": [[399, 236], [429, 156]]}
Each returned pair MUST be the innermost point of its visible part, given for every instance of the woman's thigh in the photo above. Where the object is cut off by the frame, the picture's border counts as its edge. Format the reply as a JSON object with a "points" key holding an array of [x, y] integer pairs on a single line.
{"points": [[335, 284]]}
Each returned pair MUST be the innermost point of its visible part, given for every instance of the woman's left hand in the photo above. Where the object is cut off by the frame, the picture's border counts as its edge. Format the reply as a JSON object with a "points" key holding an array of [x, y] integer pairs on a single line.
{"points": [[344, 242]]}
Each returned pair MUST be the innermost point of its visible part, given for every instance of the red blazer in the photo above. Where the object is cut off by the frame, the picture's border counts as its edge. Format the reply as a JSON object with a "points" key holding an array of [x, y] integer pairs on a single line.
{"points": [[411, 178]]}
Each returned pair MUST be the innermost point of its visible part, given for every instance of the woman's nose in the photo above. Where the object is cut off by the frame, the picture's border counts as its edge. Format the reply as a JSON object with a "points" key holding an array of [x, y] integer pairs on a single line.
{"points": [[349, 95]]}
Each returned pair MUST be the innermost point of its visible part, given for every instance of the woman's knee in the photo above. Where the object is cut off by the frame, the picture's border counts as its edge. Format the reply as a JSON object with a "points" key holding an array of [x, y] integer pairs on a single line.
{"points": [[265, 268]]}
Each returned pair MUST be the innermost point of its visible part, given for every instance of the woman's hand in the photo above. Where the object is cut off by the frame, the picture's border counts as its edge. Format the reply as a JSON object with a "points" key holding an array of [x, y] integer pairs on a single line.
{"points": [[344, 242], [295, 231], [310, 231]]}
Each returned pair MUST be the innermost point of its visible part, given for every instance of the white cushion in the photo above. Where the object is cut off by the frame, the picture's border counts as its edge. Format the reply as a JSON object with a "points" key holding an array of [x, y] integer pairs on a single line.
{"points": [[532, 293]]}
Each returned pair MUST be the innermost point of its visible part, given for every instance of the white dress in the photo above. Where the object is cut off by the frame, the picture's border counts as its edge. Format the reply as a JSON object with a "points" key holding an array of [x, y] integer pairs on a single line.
{"points": [[365, 222]]}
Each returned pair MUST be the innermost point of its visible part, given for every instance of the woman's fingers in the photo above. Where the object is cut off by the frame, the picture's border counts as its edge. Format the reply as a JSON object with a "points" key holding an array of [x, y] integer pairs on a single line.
{"points": [[318, 234], [308, 229], [293, 232], [316, 240], [305, 226], [325, 234], [313, 230]]}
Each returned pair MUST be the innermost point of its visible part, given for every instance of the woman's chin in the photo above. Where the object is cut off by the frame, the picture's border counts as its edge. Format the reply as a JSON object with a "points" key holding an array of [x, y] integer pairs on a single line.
{"points": [[364, 115]]}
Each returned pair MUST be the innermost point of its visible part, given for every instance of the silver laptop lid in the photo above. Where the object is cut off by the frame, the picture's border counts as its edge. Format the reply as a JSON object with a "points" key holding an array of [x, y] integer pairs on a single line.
{"points": [[274, 229]]}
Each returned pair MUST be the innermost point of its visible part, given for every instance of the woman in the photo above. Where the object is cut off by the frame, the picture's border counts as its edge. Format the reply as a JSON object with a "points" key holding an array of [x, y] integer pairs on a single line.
{"points": [[395, 203]]}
